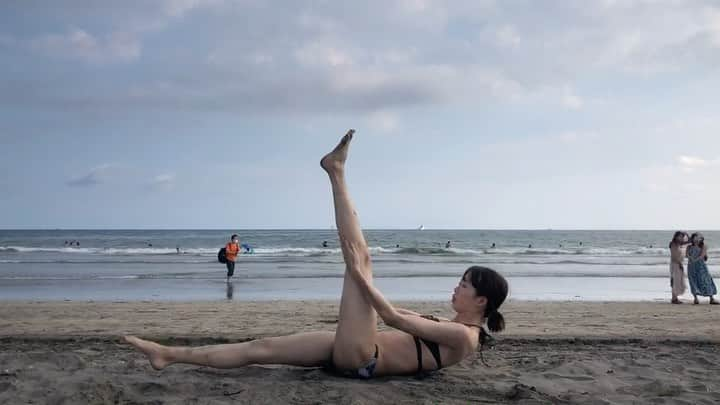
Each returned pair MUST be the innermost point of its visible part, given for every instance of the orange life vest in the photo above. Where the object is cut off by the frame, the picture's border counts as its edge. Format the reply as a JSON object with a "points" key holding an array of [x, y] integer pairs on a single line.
{"points": [[231, 251]]}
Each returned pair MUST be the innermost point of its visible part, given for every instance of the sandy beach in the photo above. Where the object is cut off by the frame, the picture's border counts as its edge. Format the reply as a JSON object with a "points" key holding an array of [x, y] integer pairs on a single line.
{"points": [[573, 352]]}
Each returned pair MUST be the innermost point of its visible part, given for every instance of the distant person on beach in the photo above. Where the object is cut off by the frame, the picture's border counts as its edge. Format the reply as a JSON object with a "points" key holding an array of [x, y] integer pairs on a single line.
{"points": [[493, 246], [699, 278], [413, 344], [177, 248], [447, 245], [677, 272], [232, 249], [324, 244], [530, 246]]}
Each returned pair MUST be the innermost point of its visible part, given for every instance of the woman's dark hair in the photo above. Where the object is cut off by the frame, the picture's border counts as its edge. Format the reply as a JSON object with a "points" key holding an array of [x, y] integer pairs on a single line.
{"points": [[699, 237], [678, 233], [233, 236], [489, 284]]}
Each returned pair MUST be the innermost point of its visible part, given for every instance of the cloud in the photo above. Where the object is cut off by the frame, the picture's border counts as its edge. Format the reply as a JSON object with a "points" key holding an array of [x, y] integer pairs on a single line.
{"points": [[123, 177], [694, 187], [96, 176], [657, 188], [79, 44], [384, 121], [122, 43], [162, 182], [507, 36], [7, 40], [573, 136], [690, 164], [178, 8], [339, 57], [691, 161], [570, 100], [687, 174], [317, 54]]}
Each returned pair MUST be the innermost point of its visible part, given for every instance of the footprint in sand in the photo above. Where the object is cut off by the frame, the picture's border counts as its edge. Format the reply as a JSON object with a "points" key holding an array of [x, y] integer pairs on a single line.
{"points": [[570, 377]]}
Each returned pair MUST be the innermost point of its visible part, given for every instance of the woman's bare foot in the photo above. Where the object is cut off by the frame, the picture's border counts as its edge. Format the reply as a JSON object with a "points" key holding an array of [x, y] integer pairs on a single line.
{"points": [[157, 354], [335, 160], [676, 301]]}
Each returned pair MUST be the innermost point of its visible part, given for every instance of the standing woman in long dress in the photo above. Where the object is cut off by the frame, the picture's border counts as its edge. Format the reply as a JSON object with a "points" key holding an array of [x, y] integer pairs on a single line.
{"points": [[701, 282], [677, 273]]}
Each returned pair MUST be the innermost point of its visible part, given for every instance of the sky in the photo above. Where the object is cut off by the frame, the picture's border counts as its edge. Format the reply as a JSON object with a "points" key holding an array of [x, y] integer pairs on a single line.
{"points": [[475, 114]]}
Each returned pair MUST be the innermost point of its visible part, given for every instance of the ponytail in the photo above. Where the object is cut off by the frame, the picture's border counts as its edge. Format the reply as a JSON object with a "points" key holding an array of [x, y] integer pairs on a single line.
{"points": [[495, 321], [486, 340]]}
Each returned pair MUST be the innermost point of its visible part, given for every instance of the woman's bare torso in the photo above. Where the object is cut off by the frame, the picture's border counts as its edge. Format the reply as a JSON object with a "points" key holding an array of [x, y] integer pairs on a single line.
{"points": [[398, 355]]}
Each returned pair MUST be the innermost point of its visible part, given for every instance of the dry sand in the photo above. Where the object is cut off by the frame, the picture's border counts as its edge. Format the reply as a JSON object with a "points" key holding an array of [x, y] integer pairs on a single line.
{"points": [[68, 353]]}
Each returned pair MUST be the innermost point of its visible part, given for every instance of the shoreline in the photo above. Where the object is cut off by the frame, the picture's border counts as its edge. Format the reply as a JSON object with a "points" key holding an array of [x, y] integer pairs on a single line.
{"points": [[244, 289]]}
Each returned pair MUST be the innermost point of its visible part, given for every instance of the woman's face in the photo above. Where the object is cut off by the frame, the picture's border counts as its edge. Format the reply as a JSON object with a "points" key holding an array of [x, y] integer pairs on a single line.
{"points": [[464, 297]]}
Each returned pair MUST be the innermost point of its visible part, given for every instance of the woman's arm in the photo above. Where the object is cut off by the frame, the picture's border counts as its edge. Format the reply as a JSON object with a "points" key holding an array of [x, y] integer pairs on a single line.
{"points": [[446, 333], [404, 311]]}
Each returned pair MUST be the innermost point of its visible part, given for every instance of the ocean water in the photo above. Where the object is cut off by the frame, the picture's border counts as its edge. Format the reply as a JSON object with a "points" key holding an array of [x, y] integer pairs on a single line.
{"points": [[293, 264]]}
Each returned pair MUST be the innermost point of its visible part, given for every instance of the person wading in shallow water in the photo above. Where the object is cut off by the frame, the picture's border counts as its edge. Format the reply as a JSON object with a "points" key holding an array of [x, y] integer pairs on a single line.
{"points": [[232, 249]]}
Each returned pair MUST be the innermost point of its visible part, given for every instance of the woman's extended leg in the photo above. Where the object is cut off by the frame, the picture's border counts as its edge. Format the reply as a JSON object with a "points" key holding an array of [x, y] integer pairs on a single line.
{"points": [[304, 349], [357, 326]]}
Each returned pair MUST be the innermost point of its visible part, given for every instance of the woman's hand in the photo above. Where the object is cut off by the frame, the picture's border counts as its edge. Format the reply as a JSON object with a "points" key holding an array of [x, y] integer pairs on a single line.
{"points": [[357, 259], [356, 255]]}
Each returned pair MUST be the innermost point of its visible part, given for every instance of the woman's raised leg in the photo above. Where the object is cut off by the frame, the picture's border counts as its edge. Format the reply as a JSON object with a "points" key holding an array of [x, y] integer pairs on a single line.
{"points": [[357, 325], [310, 349]]}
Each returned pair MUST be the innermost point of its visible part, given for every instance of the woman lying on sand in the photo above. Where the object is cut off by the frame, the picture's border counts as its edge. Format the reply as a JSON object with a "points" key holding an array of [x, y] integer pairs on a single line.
{"points": [[356, 348]]}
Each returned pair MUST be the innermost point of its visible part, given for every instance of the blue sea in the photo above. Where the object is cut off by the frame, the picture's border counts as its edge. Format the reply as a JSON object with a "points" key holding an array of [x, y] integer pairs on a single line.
{"points": [[181, 265]]}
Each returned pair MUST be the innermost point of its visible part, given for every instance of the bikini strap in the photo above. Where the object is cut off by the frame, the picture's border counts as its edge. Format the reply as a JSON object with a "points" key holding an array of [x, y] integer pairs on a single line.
{"points": [[435, 351], [419, 354]]}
